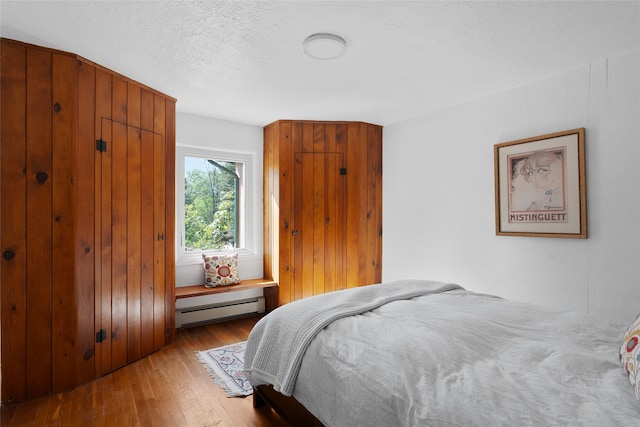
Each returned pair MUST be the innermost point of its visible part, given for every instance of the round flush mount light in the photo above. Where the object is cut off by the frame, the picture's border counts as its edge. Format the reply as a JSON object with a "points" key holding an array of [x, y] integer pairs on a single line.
{"points": [[324, 46]]}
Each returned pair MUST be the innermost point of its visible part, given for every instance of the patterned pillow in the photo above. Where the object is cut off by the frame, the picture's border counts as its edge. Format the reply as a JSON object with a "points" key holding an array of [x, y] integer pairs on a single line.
{"points": [[220, 270], [630, 354]]}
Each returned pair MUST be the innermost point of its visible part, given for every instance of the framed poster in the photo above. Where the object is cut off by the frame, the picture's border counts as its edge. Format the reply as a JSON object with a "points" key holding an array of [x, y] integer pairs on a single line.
{"points": [[540, 186]]}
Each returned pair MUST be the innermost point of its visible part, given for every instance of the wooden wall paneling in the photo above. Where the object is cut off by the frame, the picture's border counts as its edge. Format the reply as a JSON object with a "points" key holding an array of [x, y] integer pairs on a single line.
{"points": [[159, 247], [330, 204], [268, 205], [64, 233], [159, 223], [303, 207], [13, 225], [147, 235], [286, 222], [318, 208], [302, 220], [374, 213], [341, 214], [134, 220], [147, 242], [170, 219], [315, 178], [333, 247], [119, 181], [38, 219], [273, 206], [356, 207], [119, 99], [118, 334], [305, 143], [75, 220], [296, 137], [334, 223], [319, 216], [337, 218], [147, 121], [317, 138], [341, 138], [292, 193], [85, 245], [103, 223], [133, 104], [282, 264], [330, 130]]}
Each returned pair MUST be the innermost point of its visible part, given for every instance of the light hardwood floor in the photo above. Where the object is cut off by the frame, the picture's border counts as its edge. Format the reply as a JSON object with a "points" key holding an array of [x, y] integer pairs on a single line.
{"points": [[167, 388]]}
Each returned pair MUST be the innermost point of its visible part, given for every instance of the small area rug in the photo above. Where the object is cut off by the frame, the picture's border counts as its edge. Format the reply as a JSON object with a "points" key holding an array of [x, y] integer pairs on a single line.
{"points": [[225, 365]]}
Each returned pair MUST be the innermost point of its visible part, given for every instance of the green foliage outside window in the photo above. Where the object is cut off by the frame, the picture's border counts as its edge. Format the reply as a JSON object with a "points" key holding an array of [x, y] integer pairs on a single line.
{"points": [[211, 192]]}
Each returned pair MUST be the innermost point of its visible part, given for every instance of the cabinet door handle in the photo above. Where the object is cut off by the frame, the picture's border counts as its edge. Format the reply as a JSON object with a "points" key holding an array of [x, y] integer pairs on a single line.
{"points": [[160, 236], [294, 232]]}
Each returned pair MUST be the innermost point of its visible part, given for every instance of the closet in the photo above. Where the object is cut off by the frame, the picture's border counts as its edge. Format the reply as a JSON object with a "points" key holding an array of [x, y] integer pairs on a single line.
{"points": [[86, 220], [322, 206]]}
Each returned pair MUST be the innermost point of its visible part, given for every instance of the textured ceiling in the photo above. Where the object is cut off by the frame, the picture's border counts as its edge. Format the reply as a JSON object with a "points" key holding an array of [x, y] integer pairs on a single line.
{"points": [[243, 61]]}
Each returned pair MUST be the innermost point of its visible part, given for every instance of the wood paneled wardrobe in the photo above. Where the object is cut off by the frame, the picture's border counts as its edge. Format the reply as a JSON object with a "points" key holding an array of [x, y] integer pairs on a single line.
{"points": [[87, 220], [322, 206]]}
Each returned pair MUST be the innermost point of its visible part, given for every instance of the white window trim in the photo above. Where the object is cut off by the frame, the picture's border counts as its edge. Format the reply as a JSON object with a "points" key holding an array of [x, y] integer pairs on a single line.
{"points": [[249, 219]]}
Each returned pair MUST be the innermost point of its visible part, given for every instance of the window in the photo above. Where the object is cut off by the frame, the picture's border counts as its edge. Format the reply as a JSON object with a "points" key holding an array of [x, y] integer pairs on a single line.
{"points": [[211, 209], [211, 202]]}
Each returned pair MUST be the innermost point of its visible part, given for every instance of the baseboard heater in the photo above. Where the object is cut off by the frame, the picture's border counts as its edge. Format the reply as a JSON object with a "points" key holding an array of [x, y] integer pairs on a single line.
{"points": [[190, 316]]}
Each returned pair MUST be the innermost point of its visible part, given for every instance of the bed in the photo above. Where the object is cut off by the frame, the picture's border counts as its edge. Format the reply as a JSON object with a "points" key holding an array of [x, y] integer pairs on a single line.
{"points": [[422, 353]]}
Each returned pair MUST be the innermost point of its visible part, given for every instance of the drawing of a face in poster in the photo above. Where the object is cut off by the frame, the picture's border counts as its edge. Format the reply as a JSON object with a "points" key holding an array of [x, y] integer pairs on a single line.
{"points": [[537, 181]]}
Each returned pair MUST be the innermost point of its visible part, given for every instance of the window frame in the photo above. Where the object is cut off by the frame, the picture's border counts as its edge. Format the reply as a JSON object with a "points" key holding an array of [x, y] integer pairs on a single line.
{"points": [[247, 211]]}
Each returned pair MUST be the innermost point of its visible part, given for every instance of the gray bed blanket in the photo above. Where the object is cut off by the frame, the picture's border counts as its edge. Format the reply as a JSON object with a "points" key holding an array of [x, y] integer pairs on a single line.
{"points": [[277, 343]]}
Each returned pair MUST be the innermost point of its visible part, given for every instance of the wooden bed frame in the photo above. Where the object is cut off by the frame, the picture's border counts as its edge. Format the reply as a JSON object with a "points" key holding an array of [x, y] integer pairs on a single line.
{"points": [[287, 407]]}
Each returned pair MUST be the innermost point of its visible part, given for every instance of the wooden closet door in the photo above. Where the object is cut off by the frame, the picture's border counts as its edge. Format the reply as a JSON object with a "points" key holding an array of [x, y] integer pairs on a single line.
{"points": [[133, 244], [319, 188]]}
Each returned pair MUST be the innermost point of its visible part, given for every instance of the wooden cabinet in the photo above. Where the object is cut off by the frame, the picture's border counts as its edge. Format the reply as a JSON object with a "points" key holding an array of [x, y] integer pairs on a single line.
{"points": [[87, 212], [322, 206]]}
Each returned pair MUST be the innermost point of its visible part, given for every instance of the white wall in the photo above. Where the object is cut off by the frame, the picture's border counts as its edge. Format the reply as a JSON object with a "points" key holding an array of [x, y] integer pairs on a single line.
{"points": [[438, 194], [220, 135]]}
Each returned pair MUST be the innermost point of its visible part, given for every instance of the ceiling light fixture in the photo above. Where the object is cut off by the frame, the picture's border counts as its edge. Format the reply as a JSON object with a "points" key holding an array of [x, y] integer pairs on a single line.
{"points": [[324, 46]]}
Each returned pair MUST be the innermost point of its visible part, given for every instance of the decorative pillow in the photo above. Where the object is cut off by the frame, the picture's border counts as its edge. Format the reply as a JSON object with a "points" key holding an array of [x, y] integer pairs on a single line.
{"points": [[630, 354], [220, 270]]}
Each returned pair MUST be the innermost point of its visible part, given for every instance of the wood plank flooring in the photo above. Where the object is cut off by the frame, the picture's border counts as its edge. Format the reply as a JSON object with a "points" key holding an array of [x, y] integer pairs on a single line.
{"points": [[166, 388]]}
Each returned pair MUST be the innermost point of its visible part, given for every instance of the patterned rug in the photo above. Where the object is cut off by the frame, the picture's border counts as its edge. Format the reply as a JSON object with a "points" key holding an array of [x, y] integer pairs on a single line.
{"points": [[225, 364]]}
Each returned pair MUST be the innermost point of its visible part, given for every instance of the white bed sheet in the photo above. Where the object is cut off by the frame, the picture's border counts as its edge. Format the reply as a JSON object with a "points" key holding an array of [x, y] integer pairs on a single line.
{"points": [[464, 359]]}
